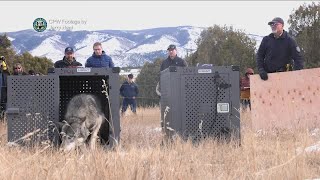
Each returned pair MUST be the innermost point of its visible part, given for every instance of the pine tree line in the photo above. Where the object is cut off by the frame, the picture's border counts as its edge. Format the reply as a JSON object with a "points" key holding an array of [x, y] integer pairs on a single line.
{"points": [[29, 62]]}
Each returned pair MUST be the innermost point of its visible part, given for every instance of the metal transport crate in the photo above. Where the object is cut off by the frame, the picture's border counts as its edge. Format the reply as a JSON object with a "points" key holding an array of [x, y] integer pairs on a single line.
{"points": [[36, 103], [200, 102]]}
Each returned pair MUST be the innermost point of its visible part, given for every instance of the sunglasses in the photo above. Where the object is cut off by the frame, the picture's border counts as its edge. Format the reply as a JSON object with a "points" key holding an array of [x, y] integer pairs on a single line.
{"points": [[17, 68], [274, 24]]}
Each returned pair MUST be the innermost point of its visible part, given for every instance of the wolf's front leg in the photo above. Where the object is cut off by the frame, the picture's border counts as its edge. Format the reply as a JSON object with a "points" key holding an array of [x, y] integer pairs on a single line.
{"points": [[93, 139], [94, 134]]}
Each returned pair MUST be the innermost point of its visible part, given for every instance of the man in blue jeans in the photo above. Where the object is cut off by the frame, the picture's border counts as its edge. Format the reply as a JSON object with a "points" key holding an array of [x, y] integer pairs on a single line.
{"points": [[129, 91]]}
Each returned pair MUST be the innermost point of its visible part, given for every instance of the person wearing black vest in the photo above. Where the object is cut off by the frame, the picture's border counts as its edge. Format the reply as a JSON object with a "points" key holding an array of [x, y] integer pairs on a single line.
{"points": [[277, 50]]}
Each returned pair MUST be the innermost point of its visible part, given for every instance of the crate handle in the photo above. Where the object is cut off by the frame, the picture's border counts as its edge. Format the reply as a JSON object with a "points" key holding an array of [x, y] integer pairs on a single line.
{"points": [[13, 111]]}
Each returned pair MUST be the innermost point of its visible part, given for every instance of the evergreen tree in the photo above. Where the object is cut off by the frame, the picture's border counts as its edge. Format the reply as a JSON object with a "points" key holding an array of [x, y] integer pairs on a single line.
{"points": [[29, 62], [4, 42], [305, 27], [147, 81], [224, 46]]}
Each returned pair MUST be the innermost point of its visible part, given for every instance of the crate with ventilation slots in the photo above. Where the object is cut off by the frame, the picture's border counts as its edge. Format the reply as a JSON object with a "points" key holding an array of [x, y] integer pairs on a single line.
{"points": [[37, 103], [200, 102]]}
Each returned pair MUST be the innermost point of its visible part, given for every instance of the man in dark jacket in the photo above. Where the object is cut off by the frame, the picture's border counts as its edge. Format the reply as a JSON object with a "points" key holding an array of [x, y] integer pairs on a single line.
{"points": [[4, 73], [68, 60], [277, 50], [173, 59], [99, 58], [129, 90]]}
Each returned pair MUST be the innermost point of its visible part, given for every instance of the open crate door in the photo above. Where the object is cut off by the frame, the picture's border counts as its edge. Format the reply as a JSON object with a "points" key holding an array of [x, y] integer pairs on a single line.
{"points": [[33, 109]]}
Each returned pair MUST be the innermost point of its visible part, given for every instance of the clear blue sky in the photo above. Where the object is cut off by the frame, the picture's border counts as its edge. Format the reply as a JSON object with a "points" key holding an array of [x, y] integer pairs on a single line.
{"points": [[251, 16]]}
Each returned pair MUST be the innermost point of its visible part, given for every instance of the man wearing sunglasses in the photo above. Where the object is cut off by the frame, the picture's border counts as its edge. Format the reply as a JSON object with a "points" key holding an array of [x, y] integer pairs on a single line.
{"points": [[18, 69], [277, 50]]}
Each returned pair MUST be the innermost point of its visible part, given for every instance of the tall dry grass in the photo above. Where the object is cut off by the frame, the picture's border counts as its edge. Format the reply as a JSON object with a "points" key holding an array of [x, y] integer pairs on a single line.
{"points": [[140, 155]]}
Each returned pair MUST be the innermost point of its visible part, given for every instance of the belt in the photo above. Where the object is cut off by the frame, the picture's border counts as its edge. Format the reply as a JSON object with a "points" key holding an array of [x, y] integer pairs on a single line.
{"points": [[287, 67]]}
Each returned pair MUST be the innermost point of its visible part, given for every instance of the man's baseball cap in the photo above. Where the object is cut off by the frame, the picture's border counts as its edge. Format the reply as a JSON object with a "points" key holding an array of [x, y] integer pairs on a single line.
{"points": [[276, 20], [172, 47], [69, 50]]}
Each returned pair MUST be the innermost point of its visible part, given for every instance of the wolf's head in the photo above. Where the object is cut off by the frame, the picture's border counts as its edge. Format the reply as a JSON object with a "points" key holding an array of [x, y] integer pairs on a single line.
{"points": [[74, 134]]}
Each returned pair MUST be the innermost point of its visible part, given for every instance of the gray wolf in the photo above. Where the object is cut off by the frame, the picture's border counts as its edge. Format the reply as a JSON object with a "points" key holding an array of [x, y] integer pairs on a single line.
{"points": [[83, 120]]}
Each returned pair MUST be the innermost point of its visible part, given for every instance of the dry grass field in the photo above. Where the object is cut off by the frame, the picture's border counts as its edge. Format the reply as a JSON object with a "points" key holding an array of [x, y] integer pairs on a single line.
{"points": [[140, 155]]}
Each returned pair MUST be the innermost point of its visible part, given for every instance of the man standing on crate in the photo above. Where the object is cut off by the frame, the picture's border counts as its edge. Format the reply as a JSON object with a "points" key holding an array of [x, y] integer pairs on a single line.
{"points": [[129, 91], [99, 58], [173, 59], [277, 50]]}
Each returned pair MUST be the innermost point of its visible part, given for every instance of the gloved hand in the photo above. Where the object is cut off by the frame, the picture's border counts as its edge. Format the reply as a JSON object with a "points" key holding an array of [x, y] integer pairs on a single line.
{"points": [[263, 75]]}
